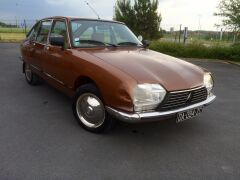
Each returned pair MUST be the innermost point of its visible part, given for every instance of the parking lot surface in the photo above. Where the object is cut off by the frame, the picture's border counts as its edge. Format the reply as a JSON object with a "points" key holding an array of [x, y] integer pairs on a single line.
{"points": [[40, 138]]}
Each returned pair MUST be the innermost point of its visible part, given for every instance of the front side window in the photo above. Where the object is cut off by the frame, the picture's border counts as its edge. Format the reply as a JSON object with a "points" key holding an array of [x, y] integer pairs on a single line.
{"points": [[33, 33], [90, 33], [43, 32], [60, 29]]}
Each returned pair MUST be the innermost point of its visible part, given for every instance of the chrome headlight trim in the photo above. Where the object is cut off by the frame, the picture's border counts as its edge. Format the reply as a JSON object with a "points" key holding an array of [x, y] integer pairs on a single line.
{"points": [[148, 96]]}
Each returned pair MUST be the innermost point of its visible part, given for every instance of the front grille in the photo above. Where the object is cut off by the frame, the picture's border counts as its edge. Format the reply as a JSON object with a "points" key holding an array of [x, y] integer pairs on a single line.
{"points": [[179, 99]]}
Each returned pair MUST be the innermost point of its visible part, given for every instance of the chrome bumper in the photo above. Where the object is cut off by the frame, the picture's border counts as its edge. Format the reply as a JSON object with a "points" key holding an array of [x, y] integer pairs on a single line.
{"points": [[154, 116]]}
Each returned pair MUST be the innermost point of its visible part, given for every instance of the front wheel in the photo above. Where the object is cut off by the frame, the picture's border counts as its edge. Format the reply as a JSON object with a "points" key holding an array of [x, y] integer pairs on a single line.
{"points": [[31, 77], [90, 111]]}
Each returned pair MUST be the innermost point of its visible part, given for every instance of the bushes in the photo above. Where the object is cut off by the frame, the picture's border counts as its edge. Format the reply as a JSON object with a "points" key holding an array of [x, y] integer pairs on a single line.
{"points": [[197, 50]]}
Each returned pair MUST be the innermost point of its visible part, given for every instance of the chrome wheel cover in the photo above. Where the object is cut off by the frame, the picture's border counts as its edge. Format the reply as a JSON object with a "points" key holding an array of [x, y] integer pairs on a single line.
{"points": [[90, 110], [28, 73]]}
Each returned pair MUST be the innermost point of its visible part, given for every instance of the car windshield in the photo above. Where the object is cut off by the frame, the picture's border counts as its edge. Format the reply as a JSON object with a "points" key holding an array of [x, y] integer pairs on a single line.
{"points": [[91, 33]]}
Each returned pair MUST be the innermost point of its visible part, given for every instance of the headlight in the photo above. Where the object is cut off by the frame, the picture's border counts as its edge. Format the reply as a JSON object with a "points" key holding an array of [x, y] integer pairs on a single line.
{"points": [[148, 96], [208, 83]]}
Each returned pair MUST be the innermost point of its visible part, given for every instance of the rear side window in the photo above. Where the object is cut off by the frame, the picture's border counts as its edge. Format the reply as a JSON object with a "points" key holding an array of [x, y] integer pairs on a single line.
{"points": [[33, 33], [44, 30]]}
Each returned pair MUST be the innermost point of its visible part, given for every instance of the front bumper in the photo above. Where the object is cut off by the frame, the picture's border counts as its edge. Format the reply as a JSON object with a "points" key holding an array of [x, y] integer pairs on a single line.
{"points": [[155, 116]]}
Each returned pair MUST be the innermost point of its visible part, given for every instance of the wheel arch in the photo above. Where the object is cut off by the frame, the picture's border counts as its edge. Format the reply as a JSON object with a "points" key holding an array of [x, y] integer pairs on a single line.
{"points": [[81, 80]]}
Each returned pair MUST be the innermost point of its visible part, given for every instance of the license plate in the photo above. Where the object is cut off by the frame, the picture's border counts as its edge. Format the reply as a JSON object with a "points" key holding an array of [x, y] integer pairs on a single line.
{"points": [[183, 116]]}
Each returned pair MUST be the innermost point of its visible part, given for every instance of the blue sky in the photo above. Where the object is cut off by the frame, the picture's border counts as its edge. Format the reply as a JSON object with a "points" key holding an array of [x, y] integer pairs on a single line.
{"points": [[191, 13]]}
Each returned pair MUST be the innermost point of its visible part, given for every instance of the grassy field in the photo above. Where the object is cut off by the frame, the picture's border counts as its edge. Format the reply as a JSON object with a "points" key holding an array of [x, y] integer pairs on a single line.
{"points": [[198, 50], [12, 37], [11, 30], [200, 41], [12, 34]]}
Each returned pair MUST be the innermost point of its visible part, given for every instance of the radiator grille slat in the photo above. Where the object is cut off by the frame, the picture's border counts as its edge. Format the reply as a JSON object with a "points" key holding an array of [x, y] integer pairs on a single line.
{"points": [[199, 95], [180, 99]]}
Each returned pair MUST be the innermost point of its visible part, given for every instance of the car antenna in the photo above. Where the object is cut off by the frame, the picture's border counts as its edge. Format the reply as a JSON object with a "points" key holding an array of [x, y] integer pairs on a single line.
{"points": [[95, 12]]}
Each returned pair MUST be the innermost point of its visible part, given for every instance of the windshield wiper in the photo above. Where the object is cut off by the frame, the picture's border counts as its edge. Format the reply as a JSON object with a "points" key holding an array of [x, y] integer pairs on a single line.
{"points": [[97, 42], [128, 43], [110, 44]]}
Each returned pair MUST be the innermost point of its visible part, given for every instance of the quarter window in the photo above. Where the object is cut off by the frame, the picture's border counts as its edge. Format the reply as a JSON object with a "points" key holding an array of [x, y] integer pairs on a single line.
{"points": [[43, 33]]}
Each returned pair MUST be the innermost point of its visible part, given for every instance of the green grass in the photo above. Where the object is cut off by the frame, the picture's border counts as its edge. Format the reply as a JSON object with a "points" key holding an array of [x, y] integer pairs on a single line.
{"points": [[11, 30], [12, 34], [11, 37], [198, 50]]}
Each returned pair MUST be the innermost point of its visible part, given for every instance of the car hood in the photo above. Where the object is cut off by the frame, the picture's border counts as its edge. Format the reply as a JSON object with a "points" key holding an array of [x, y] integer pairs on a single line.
{"points": [[147, 66]]}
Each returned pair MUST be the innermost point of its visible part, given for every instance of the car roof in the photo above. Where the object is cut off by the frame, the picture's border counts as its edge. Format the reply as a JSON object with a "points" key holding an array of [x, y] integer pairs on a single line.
{"points": [[80, 18]]}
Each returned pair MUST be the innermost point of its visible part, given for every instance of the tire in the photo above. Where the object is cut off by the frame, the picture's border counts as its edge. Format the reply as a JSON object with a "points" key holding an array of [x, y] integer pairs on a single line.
{"points": [[89, 110], [30, 76]]}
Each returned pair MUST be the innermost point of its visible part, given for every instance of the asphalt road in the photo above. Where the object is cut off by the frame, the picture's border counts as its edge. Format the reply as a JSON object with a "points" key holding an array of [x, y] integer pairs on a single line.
{"points": [[40, 139]]}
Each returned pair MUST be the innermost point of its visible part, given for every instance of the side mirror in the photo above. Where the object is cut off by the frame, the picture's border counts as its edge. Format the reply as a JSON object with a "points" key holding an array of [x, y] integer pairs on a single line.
{"points": [[145, 43], [57, 40], [140, 38]]}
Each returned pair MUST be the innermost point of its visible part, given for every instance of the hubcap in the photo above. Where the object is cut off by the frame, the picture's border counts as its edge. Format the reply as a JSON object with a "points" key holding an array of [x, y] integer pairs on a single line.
{"points": [[28, 73], [90, 110]]}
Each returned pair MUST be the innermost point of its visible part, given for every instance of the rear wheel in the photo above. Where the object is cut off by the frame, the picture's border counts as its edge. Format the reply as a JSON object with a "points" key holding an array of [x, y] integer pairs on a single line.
{"points": [[90, 111], [31, 77]]}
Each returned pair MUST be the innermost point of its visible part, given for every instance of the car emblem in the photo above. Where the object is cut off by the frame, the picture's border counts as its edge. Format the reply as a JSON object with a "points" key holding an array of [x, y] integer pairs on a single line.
{"points": [[189, 97]]}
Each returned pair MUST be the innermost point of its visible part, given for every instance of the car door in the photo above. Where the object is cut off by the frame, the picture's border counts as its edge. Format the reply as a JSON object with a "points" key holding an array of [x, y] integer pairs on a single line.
{"points": [[38, 50], [57, 64], [28, 44]]}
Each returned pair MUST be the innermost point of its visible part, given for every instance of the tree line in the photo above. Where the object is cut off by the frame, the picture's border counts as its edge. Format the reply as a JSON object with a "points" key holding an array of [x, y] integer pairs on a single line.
{"points": [[143, 16], [7, 25]]}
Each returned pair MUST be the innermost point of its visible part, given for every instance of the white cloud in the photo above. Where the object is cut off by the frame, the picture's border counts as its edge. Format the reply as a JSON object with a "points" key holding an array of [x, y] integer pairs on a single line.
{"points": [[190, 13]]}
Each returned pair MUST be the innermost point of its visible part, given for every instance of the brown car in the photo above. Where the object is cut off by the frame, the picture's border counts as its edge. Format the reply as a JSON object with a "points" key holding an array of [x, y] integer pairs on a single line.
{"points": [[110, 73]]}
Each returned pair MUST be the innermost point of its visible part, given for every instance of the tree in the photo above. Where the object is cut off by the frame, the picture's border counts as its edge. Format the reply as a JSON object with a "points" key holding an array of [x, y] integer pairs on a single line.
{"points": [[2, 24], [230, 11], [125, 13], [142, 17]]}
